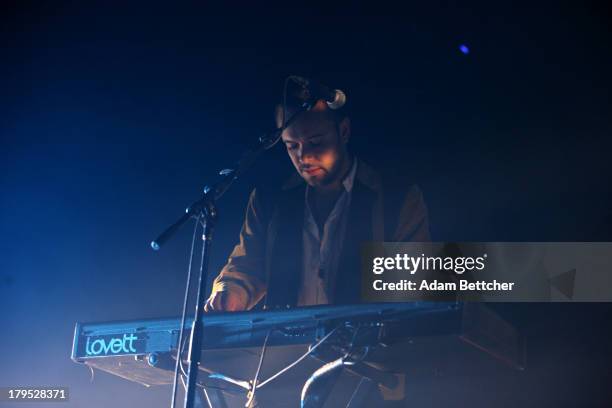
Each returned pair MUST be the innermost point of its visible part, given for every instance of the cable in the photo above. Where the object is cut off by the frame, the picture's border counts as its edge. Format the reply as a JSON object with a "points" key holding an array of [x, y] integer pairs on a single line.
{"points": [[201, 383], [254, 385], [310, 350], [261, 359], [283, 123], [352, 343]]}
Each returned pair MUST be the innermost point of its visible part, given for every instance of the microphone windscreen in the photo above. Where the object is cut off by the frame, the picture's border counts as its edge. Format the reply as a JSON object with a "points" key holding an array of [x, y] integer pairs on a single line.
{"points": [[339, 100]]}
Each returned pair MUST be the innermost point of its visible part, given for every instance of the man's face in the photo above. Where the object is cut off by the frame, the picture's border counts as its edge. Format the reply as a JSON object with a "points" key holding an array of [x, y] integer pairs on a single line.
{"points": [[316, 145]]}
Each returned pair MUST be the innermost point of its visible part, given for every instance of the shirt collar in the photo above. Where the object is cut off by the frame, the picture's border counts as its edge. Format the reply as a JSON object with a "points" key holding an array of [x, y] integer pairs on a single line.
{"points": [[349, 180]]}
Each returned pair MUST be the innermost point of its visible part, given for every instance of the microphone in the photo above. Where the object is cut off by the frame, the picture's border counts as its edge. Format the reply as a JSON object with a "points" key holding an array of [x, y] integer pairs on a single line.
{"points": [[312, 91]]}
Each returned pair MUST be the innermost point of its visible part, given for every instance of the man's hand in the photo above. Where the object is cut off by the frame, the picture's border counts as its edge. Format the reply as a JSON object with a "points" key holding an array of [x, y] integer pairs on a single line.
{"points": [[227, 297]]}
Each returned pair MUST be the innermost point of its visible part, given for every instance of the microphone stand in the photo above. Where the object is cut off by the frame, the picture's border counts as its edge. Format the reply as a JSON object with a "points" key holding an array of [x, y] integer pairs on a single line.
{"points": [[206, 209]]}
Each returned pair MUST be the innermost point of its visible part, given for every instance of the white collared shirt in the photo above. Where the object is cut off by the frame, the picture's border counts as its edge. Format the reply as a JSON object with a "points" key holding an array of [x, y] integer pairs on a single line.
{"points": [[322, 250]]}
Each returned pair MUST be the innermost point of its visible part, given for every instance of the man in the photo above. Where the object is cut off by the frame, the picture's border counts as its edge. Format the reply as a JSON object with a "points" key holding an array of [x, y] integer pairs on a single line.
{"points": [[299, 244]]}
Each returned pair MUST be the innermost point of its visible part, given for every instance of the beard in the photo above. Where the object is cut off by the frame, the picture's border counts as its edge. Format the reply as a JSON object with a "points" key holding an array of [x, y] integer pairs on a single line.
{"points": [[326, 177]]}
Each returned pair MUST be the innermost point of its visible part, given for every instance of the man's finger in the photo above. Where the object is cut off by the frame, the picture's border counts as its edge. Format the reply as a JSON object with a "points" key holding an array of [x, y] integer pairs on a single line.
{"points": [[208, 305], [213, 303]]}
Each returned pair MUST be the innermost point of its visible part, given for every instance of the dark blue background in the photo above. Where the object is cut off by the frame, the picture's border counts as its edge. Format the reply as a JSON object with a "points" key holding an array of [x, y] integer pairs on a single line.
{"points": [[113, 117]]}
